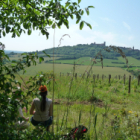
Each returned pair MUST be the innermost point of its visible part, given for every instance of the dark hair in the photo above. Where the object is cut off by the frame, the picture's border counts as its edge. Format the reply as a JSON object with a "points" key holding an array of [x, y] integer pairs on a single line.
{"points": [[43, 101]]}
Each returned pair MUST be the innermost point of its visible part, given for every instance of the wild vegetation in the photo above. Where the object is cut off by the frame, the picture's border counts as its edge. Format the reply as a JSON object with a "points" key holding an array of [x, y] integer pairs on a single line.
{"points": [[107, 109]]}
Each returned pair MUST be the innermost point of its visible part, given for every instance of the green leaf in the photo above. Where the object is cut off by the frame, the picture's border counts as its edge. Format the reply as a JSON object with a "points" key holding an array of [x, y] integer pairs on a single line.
{"points": [[46, 54], [13, 35], [29, 32], [88, 25], [7, 29], [91, 7], [79, 1], [87, 11], [24, 54], [82, 12], [81, 25], [17, 33], [53, 26], [66, 23], [67, 4], [3, 33], [78, 18], [71, 16], [41, 59]]}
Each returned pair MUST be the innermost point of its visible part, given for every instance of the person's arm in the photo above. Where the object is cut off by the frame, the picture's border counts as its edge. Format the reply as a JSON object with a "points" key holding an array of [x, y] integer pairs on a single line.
{"points": [[25, 109], [32, 109], [26, 119], [21, 114], [51, 110]]}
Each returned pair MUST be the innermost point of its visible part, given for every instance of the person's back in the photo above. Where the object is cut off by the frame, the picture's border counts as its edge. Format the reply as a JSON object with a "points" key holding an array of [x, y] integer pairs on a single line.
{"points": [[39, 115], [43, 109]]}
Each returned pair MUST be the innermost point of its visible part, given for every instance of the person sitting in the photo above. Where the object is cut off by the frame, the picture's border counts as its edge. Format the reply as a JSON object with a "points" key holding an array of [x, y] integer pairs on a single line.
{"points": [[43, 109], [24, 123]]}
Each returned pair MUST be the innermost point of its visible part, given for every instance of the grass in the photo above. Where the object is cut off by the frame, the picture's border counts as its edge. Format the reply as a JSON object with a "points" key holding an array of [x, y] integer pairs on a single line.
{"points": [[107, 62], [107, 101], [107, 110], [66, 68]]}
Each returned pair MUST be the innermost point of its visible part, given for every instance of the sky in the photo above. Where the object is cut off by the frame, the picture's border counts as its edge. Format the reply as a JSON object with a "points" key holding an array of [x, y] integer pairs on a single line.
{"points": [[115, 22]]}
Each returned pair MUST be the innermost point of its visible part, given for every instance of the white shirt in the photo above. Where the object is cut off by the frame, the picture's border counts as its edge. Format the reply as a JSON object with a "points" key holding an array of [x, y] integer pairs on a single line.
{"points": [[39, 115]]}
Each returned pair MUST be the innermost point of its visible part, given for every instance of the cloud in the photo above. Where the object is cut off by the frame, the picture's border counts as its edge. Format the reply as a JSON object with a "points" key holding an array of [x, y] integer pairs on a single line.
{"points": [[126, 26]]}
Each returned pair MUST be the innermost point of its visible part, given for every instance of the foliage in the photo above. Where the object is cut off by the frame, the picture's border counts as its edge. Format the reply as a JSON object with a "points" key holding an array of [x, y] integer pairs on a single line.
{"points": [[17, 16], [34, 14], [85, 50], [8, 83]]}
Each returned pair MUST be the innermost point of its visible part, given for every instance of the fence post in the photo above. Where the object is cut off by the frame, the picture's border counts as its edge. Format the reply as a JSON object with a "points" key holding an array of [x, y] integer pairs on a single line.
{"points": [[102, 77], [60, 74], [75, 75], [119, 77], [129, 84], [139, 80], [124, 79], [109, 78], [98, 76]]}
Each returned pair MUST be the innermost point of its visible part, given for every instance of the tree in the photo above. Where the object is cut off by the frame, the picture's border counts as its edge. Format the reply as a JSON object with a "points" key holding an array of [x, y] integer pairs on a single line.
{"points": [[36, 14], [31, 14]]}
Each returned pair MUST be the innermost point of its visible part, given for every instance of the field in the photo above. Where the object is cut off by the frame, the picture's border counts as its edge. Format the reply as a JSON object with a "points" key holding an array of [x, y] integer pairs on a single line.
{"points": [[66, 68], [107, 62], [107, 110]]}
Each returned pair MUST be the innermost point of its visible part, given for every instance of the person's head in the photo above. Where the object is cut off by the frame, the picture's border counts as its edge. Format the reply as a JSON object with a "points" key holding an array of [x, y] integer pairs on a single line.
{"points": [[43, 93]]}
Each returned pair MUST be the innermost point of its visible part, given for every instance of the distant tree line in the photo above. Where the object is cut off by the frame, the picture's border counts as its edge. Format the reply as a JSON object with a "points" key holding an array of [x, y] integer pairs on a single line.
{"points": [[85, 50]]}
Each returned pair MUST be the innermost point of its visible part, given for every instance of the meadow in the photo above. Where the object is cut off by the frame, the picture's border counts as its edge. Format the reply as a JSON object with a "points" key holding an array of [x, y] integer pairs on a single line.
{"points": [[79, 69], [107, 110], [107, 62]]}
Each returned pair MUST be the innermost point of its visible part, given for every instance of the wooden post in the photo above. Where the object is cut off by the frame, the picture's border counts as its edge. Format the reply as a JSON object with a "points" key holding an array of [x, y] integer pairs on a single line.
{"points": [[129, 84], [119, 77], [124, 79], [139, 80], [60, 74], [75, 75], [102, 77], [98, 76], [109, 78]]}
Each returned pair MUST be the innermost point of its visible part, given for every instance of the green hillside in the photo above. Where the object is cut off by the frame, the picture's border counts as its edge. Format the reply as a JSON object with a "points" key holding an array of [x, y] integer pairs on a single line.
{"points": [[85, 50], [120, 62]]}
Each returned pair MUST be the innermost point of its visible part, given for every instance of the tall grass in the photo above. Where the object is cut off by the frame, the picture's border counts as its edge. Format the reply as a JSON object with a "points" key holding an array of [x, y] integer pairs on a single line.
{"points": [[106, 111]]}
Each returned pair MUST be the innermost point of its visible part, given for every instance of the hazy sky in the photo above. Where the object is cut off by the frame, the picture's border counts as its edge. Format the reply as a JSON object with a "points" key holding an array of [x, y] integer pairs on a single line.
{"points": [[117, 22]]}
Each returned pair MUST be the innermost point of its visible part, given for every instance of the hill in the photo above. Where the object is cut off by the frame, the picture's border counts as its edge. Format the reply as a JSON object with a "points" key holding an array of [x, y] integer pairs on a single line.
{"points": [[85, 50], [10, 51]]}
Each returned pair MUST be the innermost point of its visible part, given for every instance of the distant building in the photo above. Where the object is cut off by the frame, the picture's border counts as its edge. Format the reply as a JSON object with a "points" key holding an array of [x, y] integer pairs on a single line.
{"points": [[103, 44]]}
